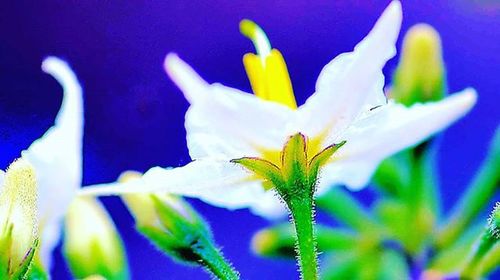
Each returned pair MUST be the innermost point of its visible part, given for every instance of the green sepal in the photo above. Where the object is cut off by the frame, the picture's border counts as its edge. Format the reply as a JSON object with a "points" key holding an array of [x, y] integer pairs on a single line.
{"points": [[294, 160], [263, 169], [179, 251], [178, 224], [321, 159], [22, 271], [37, 272], [5, 248]]}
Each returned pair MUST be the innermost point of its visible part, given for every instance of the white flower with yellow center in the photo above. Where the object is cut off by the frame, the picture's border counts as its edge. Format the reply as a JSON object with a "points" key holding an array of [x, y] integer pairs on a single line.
{"points": [[224, 124], [57, 158]]}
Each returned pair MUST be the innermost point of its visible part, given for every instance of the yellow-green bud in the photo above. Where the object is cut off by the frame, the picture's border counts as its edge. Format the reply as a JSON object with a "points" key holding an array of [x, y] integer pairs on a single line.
{"points": [[167, 220], [420, 75], [18, 222], [92, 245], [170, 223]]}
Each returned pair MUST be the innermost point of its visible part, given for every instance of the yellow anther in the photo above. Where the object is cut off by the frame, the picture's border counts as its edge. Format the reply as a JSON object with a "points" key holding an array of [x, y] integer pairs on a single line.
{"points": [[267, 70]]}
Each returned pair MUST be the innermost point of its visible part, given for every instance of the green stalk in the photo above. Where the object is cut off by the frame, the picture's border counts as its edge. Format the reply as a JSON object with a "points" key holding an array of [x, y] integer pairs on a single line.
{"points": [[302, 219], [343, 207], [483, 187], [213, 260], [421, 198]]}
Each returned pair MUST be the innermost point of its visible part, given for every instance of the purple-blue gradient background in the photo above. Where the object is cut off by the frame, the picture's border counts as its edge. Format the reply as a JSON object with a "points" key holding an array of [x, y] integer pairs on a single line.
{"points": [[134, 114]]}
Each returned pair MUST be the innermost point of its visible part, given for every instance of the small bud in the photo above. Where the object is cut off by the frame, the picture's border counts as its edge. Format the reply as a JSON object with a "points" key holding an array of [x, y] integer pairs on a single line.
{"points": [[420, 75], [18, 223], [172, 225], [92, 245], [275, 242], [167, 220]]}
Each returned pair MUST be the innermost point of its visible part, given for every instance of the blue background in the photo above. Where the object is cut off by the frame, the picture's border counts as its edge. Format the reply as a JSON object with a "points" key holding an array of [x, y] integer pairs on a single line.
{"points": [[134, 114]]}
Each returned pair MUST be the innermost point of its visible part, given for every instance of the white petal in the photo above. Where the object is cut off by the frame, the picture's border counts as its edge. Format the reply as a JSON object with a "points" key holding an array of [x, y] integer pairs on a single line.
{"points": [[227, 123], [388, 130], [57, 155], [219, 183], [353, 81], [2, 177], [191, 84], [269, 206]]}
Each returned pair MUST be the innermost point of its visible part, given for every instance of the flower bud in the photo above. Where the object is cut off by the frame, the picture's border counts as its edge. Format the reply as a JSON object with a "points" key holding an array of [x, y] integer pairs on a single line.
{"points": [[92, 245], [167, 220], [18, 223], [420, 75]]}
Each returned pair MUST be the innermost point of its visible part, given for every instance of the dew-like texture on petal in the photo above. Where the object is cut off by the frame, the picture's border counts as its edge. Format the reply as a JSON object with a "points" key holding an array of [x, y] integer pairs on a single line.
{"points": [[226, 123], [352, 82], [57, 157], [387, 130], [18, 199]]}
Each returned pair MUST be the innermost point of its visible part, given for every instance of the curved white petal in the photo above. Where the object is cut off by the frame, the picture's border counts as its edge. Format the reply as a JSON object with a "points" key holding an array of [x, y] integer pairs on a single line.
{"points": [[387, 130], [57, 156], [352, 81], [227, 123], [220, 183]]}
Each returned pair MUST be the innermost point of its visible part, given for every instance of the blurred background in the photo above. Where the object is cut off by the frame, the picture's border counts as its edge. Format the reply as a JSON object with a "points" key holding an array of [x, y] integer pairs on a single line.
{"points": [[135, 115]]}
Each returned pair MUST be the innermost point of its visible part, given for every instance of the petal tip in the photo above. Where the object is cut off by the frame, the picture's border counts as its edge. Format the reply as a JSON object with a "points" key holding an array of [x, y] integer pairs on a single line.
{"points": [[62, 72]]}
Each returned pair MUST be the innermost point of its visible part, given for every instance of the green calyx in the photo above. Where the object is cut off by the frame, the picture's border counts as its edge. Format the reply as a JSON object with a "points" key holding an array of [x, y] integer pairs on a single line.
{"points": [[297, 174], [295, 181], [8, 269]]}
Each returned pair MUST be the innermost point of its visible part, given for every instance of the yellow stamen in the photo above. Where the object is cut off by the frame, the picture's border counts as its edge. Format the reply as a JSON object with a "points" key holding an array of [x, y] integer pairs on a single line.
{"points": [[267, 70]]}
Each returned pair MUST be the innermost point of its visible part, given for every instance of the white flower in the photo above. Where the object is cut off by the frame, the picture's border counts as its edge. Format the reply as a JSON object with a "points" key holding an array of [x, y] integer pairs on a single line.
{"points": [[223, 123], [57, 158]]}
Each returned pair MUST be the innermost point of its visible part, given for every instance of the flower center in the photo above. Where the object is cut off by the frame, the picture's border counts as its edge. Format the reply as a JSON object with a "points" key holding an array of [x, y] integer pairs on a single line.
{"points": [[294, 168], [267, 69]]}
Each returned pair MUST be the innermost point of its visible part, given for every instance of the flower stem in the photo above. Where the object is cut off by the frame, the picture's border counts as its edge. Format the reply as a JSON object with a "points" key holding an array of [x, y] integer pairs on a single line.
{"points": [[213, 260], [302, 218]]}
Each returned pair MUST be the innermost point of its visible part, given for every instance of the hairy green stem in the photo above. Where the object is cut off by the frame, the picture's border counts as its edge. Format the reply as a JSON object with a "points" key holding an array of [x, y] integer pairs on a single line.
{"points": [[302, 218], [213, 260]]}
